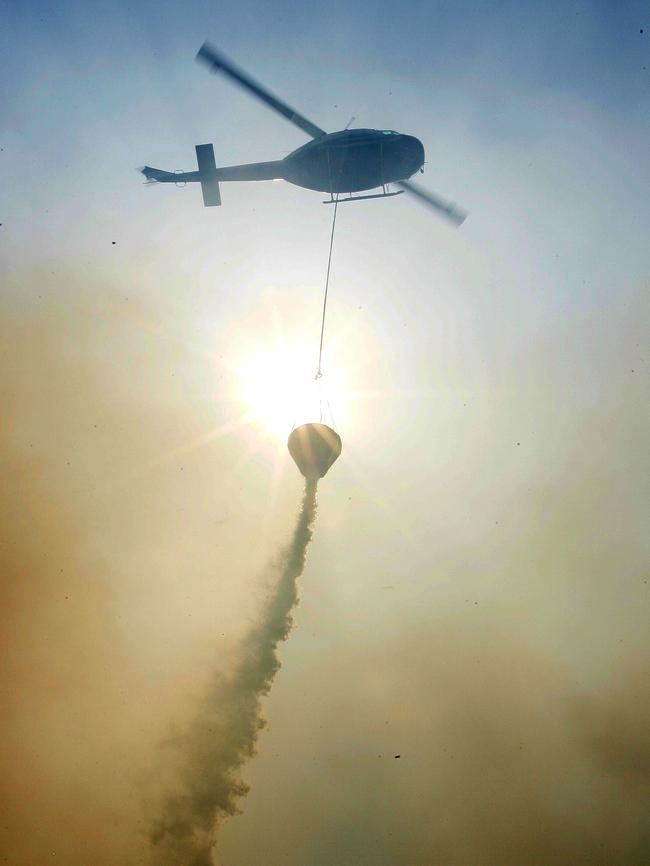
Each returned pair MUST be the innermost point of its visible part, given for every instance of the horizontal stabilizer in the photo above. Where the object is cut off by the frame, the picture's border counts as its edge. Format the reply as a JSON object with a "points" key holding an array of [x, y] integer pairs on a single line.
{"points": [[208, 175]]}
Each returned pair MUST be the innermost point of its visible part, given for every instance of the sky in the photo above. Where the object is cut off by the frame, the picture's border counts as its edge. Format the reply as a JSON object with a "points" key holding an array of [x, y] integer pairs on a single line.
{"points": [[476, 594]]}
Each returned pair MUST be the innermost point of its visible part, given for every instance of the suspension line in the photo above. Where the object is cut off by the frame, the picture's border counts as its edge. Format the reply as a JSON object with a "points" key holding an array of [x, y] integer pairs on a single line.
{"points": [[327, 282]]}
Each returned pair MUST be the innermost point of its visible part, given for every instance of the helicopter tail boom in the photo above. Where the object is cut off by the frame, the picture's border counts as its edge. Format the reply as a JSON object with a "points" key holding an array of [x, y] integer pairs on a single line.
{"points": [[209, 175], [159, 175]]}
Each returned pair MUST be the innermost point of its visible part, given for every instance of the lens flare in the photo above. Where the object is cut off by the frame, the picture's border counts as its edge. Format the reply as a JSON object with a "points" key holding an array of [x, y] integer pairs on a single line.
{"points": [[277, 389]]}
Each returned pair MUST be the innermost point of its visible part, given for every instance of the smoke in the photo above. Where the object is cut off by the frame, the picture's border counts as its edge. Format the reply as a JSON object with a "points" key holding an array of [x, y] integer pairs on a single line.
{"points": [[224, 732], [453, 744], [111, 534], [505, 665]]}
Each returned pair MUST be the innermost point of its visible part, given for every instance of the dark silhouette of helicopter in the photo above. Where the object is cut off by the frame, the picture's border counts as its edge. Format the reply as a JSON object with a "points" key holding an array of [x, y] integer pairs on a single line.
{"points": [[346, 162]]}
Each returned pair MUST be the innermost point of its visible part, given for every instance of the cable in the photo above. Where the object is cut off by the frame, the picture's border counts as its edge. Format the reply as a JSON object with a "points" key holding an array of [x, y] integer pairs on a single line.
{"points": [[327, 282]]}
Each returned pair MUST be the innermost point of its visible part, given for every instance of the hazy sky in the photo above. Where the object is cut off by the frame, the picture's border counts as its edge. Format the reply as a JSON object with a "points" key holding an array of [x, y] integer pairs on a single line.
{"points": [[476, 598]]}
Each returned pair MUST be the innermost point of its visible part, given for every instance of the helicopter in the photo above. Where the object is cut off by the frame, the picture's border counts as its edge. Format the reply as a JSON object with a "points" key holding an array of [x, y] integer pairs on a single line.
{"points": [[342, 163]]}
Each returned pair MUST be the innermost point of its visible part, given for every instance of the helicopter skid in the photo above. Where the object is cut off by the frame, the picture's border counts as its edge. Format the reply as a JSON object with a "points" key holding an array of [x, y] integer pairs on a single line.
{"points": [[362, 197]]}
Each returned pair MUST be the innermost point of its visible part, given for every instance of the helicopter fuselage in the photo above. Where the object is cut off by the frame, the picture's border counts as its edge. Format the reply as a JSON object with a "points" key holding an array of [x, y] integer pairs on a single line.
{"points": [[353, 160]]}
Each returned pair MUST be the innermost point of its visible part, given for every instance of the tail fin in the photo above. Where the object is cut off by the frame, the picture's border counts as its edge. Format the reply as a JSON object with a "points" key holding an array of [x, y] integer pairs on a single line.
{"points": [[157, 174], [208, 175]]}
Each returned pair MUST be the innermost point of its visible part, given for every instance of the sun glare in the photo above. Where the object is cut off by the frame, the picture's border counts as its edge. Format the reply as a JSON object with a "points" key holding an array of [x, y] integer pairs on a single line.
{"points": [[277, 388]]}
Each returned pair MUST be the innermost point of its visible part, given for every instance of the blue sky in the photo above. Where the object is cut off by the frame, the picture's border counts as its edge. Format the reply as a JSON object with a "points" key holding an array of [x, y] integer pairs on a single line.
{"points": [[84, 84]]}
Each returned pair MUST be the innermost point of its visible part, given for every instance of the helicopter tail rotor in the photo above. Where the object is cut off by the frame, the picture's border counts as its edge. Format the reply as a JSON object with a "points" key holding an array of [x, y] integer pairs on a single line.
{"points": [[207, 175]]}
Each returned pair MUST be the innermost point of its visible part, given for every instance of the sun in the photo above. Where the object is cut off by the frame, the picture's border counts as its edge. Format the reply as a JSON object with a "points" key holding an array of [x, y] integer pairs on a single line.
{"points": [[277, 388]]}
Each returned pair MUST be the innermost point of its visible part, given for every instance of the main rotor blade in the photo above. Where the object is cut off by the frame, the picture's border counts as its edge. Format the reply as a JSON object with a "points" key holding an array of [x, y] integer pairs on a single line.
{"points": [[448, 209], [218, 63]]}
